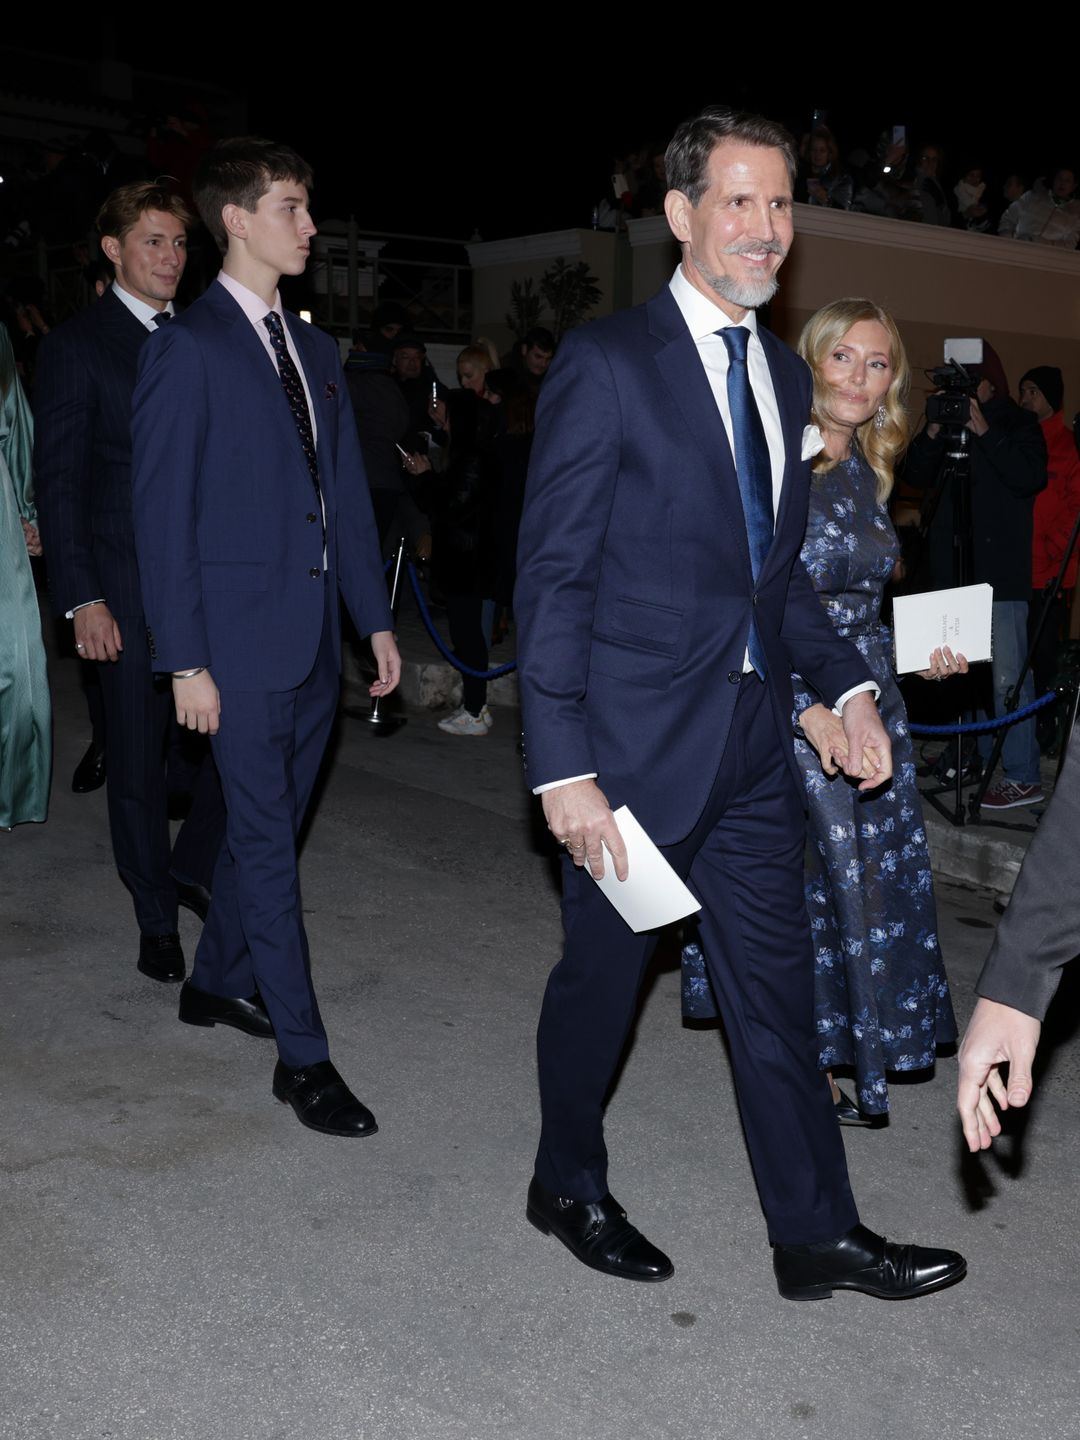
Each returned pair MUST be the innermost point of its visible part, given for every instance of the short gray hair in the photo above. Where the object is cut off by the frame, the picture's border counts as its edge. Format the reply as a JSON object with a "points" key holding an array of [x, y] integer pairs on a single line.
{"points": [[694, 141]]}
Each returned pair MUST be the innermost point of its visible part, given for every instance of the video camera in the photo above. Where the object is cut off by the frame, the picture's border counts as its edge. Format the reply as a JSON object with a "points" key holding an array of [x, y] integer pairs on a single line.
{"points": [[952, 406]]}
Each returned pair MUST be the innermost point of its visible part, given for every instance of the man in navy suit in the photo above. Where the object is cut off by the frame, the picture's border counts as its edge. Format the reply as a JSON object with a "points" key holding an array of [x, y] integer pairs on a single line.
{"points": [[82, 405], [662, 608], [252, 513]]}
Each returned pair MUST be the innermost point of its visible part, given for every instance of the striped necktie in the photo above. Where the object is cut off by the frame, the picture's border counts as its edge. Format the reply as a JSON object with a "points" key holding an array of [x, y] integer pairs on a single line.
{"points": [[753, 466]]}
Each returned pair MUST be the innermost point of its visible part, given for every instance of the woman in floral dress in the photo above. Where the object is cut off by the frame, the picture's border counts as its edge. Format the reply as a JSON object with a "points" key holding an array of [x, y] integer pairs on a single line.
{"points": [[881, 995]]}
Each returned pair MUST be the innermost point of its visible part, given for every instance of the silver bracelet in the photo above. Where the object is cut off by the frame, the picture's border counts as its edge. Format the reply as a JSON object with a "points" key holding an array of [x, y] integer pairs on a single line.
{"points": [[188, 674]]}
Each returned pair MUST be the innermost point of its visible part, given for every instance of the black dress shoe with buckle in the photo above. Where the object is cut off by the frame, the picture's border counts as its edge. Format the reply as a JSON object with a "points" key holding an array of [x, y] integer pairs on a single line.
{"points": [[861, 1260], [90, 771], [161, 957], [598, 1234], [193, 897], [848, 1113], [199, 1007], [322, 1100]]}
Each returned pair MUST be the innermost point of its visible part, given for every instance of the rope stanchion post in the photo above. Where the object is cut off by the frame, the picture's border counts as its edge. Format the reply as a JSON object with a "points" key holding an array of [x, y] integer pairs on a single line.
{"points": [[376, 721]]}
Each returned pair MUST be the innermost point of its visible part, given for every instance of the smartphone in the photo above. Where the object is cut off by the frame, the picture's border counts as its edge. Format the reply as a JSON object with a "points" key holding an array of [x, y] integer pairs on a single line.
{"points": [[820, 117], [899, 134], [434, 390], [401, 451]]}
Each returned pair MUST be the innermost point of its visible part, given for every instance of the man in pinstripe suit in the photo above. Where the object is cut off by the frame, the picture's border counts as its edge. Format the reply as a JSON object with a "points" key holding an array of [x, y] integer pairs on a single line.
{"points": [[83, 392]]}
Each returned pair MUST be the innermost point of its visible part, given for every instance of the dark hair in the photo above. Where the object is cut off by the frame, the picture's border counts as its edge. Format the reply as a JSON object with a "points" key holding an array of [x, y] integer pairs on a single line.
{"points": [[541, 338], [125, 207], [687, 157], [240, 171]]}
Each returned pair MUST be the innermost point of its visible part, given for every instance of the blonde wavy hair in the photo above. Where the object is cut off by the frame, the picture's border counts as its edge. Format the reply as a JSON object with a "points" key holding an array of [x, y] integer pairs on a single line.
{"points": [[882, 447]]}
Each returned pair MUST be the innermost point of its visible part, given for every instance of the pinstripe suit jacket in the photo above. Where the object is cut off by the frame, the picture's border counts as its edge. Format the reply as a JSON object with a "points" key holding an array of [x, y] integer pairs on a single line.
{"points": [[82, 456]]}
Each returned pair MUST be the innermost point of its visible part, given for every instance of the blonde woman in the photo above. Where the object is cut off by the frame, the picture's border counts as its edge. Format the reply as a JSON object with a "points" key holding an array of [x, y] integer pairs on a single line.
{"points": [[881, 996]]}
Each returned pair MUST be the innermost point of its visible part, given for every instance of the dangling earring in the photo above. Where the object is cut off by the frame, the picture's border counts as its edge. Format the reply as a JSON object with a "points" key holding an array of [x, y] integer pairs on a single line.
{"points": [[880, 418]]}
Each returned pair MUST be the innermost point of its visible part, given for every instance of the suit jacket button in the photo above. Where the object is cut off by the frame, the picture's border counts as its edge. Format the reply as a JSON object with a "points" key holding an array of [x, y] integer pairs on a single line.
{"points": [[312, 517], [314, 572], [734, 676]]}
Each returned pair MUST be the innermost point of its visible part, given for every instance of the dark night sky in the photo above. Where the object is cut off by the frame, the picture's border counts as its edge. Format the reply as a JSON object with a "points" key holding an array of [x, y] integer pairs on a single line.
{"points": [[466, 135]]}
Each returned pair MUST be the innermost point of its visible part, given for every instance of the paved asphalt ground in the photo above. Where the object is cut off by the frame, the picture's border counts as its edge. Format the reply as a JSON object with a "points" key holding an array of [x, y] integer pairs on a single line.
{"points": [[180, 1260]]}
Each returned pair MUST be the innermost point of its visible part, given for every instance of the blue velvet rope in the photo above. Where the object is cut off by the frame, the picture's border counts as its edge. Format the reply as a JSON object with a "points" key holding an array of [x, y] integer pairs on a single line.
{"points": [[425, 615], [979, 727]]}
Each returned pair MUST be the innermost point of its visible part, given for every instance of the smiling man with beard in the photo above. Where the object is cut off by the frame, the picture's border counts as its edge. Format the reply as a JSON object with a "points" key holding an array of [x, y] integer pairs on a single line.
{"points": [[662, 609]]}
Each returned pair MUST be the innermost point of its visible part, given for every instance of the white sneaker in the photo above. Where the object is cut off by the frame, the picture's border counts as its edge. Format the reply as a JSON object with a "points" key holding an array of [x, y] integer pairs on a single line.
{"points": [[462, 723], [487, 717]]}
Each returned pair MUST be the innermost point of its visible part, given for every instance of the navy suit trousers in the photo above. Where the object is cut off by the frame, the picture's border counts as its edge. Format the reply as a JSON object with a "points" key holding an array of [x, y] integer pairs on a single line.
{"points": [[744, 861], [268, 752]]}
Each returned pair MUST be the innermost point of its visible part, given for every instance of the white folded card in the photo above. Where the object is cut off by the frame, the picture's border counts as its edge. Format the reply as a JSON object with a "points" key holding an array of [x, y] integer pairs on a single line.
{"points": [[959, 618], [652, 894]]}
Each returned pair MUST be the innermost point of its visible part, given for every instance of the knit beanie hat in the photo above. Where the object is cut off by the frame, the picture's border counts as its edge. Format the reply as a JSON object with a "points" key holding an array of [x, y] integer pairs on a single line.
{"points": [[1048, 379]]}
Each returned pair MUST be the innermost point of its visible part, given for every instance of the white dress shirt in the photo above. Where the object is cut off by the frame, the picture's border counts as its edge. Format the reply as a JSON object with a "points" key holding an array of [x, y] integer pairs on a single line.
{"points": [[143, 312]]}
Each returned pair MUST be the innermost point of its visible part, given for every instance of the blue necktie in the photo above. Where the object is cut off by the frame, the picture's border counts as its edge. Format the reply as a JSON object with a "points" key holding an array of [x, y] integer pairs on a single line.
{"points": [[162, 318], [752, 465], [294, 393]]}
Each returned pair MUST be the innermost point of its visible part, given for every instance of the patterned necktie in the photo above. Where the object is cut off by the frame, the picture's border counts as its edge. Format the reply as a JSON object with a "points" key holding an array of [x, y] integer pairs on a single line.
{"points": [[294, 393], [752, 465]]}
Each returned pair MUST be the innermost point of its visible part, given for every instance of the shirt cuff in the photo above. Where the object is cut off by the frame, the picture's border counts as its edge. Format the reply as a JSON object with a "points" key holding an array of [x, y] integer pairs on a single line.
{"points": [[70, 614], [838, 708], [556, 784]]}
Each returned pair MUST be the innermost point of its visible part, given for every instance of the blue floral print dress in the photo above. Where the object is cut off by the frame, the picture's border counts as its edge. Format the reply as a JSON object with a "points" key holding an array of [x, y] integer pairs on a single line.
{"points": [[881, 997]]}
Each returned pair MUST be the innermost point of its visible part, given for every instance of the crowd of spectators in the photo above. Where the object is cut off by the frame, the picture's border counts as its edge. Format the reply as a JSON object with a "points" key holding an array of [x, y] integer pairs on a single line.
{"points": [[891, 178]]}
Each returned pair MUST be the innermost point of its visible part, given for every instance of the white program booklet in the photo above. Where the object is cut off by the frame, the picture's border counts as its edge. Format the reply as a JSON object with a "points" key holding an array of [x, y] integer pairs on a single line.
{"points": [[652, 894], [959, 618]]}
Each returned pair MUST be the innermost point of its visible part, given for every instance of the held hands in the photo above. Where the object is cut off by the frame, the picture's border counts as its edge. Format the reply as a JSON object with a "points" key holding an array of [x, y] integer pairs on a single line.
{"points": [[580, 818], [32, 538], [869, 757], [825, 732], [198, 705], [944, 663], [384, 647], [97, 635], [997, 1034]]}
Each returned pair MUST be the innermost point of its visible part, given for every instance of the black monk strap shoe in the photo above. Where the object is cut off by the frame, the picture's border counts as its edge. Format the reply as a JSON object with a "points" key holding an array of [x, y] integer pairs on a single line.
{"points": [[161, 957], [90, 771], [193, 897], [598, 1234], [861, 1260], [199, 1007], [322, 1100]]}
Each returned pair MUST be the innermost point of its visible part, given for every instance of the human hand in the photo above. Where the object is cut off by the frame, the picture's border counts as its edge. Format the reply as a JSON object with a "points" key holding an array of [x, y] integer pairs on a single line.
{"points": [[198, 705], [384, 647], [869, 757], [995, 1035], [944, 663], [825, 732], [436, 410], [32, 538], [580, 818], [97, 635], [977, 422], [416, 463]]}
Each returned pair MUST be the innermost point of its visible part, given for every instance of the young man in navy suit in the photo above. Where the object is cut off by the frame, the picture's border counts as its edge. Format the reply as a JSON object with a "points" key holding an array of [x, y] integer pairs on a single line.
{"points": [[82, 405], [662, 608], [252, 516]]}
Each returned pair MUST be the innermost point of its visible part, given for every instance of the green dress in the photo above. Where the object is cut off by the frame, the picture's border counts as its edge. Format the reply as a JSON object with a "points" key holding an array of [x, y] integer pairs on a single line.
{"points": [[25, 712]]}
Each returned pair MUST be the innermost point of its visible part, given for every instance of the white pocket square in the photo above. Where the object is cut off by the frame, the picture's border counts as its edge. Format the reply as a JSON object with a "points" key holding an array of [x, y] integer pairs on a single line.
{"points": [[813, 442]]}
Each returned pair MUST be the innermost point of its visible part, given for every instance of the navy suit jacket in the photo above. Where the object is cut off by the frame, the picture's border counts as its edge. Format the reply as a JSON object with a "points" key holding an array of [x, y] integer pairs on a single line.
{"points": [[226, 520], [635, 590], [82, 456]]}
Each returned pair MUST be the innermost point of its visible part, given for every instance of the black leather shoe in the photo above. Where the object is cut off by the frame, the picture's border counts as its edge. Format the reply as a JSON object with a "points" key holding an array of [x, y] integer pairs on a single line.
{"points": [[322, 1100], [861, 1260], [598, 1234], [848, 1113], [193, 897], [199, 1007], [161, 957], [90, 771]]}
